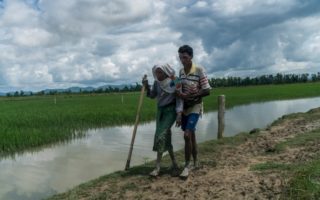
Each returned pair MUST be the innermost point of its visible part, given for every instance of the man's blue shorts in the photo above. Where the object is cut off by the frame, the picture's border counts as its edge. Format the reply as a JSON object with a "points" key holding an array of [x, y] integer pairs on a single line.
{"points": [[189, 122]]}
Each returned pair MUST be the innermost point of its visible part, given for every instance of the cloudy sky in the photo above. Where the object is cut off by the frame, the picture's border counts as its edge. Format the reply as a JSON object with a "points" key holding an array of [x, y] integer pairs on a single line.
{"points": [[64, 43]]}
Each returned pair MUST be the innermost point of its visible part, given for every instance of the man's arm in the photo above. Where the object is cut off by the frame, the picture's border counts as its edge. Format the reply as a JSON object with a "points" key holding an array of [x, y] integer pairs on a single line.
{"points": [[201, 93], [204, 84]]}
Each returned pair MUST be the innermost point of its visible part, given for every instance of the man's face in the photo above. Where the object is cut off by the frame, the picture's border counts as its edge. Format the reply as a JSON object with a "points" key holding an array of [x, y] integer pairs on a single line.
{"points": [[185, 59]]}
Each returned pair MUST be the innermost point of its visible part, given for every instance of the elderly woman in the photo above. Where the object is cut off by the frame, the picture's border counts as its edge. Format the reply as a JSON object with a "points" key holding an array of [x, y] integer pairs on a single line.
{"points": [[169, 110]]}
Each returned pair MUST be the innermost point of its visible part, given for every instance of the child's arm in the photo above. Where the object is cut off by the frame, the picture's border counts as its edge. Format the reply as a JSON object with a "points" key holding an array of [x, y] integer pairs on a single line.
{"points": [[179, 105], [179, 110]]}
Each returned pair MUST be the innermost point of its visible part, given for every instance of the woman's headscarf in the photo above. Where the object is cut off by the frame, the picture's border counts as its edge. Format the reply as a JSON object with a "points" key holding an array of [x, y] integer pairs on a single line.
{"points": [[166, 83]]}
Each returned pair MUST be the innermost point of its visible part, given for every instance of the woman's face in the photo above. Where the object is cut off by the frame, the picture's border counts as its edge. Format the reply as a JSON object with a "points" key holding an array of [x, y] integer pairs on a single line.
{"points": [[160, 74]]}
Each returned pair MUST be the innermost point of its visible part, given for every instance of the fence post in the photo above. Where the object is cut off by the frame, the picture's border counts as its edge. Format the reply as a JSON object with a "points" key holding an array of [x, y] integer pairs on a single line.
{"points": [[221, 111]]}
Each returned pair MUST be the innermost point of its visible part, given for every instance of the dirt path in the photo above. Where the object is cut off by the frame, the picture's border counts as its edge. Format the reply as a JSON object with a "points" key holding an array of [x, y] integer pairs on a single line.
{"points": [[231, 177]]}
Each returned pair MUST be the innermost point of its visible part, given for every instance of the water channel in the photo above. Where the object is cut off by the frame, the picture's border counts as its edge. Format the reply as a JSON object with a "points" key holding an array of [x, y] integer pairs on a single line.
{"points": [[36, 175]]}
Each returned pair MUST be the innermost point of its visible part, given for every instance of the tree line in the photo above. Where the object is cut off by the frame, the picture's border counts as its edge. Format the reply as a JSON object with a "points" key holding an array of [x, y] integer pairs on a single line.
{"points": [[230, 81], [110, 89], [264, 80]]}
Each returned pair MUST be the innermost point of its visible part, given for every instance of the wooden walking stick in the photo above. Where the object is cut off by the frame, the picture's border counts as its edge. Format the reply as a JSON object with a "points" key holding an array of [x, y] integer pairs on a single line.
{"points": [[136, 123]]}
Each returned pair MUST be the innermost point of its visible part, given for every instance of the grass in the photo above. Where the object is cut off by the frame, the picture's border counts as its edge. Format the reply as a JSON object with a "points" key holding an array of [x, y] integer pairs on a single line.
{"points": [[310, 115], [305, 183], [300, 140], [305, 177], [244, 95], [271, 166], [35, 121], [31, 122]]}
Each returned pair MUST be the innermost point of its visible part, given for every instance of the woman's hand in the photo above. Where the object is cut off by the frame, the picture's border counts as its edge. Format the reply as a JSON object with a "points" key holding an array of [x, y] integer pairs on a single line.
{"points": [[145, 82]]}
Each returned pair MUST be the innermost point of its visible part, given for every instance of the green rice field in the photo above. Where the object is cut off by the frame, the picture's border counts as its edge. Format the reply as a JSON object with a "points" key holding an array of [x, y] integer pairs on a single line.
{"points": [[32, 122]]}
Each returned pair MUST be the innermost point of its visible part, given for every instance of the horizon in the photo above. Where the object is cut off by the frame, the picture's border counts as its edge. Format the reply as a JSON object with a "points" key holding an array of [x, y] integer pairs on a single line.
{"points": [[309, 78]]}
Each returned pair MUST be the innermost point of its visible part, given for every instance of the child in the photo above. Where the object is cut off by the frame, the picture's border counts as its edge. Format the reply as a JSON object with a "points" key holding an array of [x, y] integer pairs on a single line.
{"points": [[169, 110]]}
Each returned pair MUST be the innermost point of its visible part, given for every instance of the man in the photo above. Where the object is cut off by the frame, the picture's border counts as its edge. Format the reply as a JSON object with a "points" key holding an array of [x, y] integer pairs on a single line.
{"points": [[195, 85]]}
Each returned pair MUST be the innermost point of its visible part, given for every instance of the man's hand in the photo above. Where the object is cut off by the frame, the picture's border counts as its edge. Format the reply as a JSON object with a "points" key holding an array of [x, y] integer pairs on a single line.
{"points": [[201, 93], [183, 96]]}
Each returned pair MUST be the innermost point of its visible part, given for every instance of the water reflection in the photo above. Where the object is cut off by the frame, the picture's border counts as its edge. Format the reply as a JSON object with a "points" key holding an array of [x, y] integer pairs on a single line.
{"points": [[76, 134], [35, 175]]}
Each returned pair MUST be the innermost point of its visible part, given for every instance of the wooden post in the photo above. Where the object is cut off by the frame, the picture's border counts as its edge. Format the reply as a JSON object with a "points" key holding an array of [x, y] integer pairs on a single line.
{"points": [[135, 126], [221, 111]]}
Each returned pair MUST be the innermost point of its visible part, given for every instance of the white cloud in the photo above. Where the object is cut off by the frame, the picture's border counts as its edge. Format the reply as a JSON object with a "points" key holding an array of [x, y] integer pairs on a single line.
{"points": [[17, 76], [301, 39], [17, 13], [250, 7], [47, 44], [84, 17], [201, 4], [31, 37]]}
